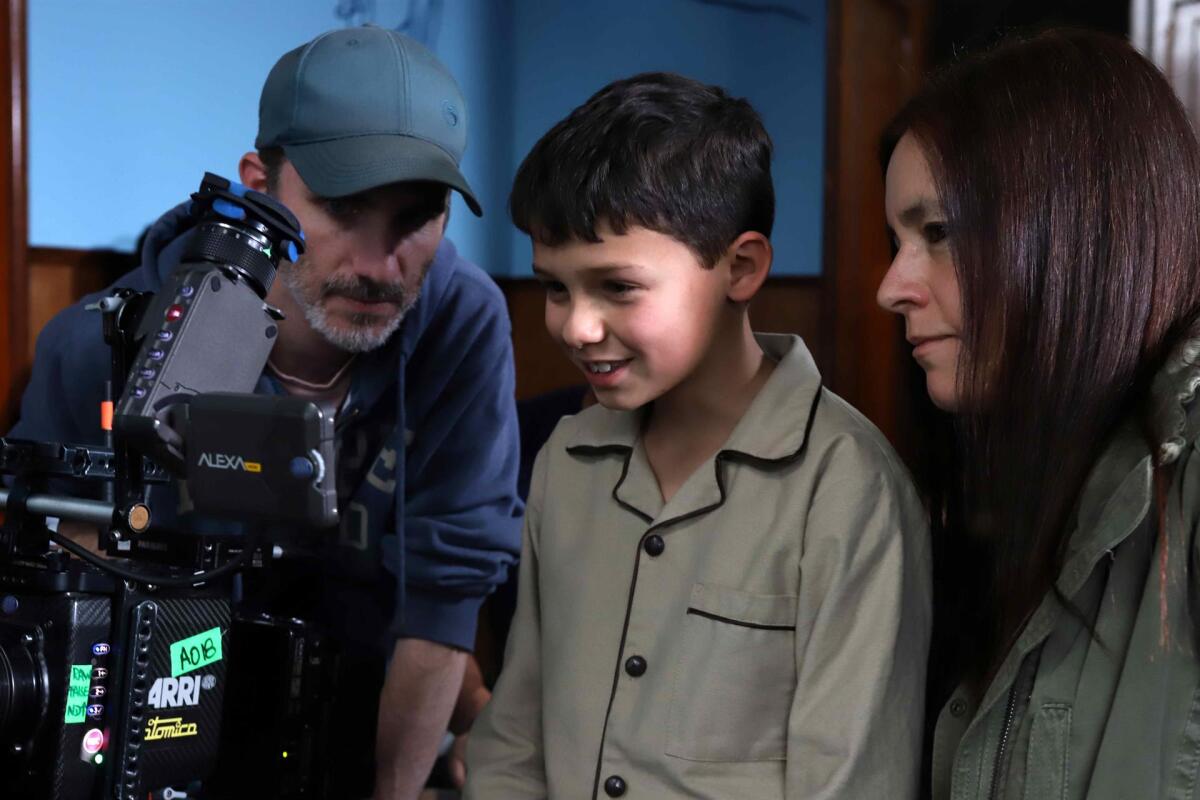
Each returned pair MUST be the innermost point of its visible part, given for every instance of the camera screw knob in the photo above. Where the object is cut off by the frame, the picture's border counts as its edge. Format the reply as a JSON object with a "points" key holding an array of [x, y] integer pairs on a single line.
{"points": [[138, 517]]}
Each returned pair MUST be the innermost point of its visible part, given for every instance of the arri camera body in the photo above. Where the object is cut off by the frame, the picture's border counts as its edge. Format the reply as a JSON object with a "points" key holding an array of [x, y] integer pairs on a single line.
{"points": [[113, 671]]}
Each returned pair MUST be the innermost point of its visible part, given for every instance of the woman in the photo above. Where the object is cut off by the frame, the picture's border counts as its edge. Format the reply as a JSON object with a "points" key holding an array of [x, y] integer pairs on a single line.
{"points": [[1044, 202]]}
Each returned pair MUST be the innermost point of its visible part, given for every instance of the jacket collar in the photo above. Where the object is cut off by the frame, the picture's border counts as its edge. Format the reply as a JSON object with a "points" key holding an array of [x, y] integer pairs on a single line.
{"points": [[1173, 396], [438, 282], [1118, 494], [772, 432], [162, 249]]}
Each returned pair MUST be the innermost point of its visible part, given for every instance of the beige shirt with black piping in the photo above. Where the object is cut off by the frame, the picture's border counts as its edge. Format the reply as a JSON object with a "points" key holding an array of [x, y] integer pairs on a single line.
{"points": [[761, 635]]}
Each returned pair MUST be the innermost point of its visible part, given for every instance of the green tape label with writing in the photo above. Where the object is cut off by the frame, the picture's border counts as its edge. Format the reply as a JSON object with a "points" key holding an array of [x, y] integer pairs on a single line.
{"points": [[195, 652], [77, 693]]}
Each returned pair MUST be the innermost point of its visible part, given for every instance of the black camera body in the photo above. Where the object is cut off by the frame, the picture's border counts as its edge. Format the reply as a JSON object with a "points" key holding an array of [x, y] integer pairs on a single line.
{"points": [[112, 675], [116, 686], [54, 657]]}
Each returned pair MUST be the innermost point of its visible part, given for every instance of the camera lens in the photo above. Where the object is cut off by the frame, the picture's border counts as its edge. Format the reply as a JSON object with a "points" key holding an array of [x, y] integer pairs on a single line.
{"points": [[242, 247], [23, 693], [242, 230]]}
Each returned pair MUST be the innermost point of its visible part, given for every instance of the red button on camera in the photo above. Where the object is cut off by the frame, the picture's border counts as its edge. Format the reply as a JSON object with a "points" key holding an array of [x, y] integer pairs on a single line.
{"points": [[93, 741], [174, 313]]}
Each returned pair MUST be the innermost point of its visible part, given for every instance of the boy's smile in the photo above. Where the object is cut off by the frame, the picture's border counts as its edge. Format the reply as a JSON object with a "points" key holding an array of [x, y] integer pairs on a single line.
{"points": [[636, 312], [605, 373]]}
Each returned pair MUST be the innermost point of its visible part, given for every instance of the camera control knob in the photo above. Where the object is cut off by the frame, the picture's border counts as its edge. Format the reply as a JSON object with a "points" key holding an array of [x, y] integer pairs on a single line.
{"points": [[138, 517], [302, 468]]}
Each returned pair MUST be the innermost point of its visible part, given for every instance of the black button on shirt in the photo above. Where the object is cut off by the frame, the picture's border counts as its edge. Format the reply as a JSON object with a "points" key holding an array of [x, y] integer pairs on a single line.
{"points": [[654, 545], [635, 666], [614, 786]]}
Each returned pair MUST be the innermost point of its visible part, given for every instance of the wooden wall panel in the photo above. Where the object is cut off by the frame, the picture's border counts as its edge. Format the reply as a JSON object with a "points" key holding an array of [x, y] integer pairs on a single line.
{"points": [[541, 366], [59, 277], [875, 63], [793, 305]]}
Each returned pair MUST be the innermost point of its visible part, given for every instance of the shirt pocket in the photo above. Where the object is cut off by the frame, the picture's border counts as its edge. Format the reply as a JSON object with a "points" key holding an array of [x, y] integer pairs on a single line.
{"points": [[735, 677]]}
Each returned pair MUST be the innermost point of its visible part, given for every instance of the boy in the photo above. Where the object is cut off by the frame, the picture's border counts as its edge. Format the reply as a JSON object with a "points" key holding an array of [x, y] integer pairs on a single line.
{"points": [[724, 586]]}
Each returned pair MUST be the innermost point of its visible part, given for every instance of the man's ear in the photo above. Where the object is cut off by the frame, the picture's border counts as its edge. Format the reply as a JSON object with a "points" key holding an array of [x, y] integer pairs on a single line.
{"points": [[252, 172], [749, 261]]}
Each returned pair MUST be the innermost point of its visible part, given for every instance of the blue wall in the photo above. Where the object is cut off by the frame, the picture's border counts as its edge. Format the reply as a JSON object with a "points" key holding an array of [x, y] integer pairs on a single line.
{"points": [[130, 102], [565, 51]]}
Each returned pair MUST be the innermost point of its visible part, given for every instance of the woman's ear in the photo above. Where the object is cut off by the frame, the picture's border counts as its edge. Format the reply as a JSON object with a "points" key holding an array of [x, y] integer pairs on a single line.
{"points": [[749, 261]]}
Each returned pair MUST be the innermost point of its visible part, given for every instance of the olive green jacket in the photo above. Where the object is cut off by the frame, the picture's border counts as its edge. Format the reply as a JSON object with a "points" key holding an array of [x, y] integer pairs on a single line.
{"points": [[1113, 712], [761, 636]]}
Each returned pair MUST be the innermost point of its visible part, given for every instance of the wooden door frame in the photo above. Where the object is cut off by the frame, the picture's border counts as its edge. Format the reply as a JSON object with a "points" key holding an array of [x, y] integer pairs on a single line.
{"points": [[14, 236], [875, 61]]}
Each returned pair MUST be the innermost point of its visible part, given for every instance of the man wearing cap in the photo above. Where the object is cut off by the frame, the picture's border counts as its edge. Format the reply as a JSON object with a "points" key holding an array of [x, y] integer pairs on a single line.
{"points": [[360, 134]]}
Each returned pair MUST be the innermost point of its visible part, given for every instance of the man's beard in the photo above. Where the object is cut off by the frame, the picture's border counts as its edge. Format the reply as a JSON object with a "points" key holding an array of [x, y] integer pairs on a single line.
{"points": [[357, 333]]}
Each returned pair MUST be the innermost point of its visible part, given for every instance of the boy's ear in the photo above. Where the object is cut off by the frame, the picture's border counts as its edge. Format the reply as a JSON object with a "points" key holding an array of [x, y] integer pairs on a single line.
{"points": [[749, 261], [252, 172]]}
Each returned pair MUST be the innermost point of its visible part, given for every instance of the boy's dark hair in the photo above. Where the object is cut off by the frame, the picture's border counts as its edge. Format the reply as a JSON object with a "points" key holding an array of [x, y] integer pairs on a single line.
{"points": [[657, 150]]}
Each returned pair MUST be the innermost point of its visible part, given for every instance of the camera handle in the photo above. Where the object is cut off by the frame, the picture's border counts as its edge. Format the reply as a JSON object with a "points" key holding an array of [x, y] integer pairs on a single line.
{"points": [[122, 312]]}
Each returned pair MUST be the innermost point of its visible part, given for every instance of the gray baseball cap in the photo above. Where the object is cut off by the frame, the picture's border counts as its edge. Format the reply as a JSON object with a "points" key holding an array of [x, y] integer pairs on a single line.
{"points": [[363, 107]]}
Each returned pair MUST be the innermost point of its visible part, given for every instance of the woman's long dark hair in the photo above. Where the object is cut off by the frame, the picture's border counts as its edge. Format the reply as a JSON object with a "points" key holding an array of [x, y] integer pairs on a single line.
{"points": [[1069, 175]]}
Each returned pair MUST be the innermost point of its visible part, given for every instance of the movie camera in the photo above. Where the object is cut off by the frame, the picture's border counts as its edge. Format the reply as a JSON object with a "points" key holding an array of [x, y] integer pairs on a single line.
{"points": [[113, 671]]}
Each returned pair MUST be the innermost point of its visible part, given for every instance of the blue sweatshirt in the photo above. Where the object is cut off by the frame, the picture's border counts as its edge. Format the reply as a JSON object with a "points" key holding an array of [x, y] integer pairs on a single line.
{"points": [[427, 450]]}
